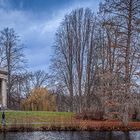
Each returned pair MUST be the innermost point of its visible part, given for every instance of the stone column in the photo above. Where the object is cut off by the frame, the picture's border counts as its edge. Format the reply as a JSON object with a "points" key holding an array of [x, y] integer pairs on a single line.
{"points": [[4, 93]]}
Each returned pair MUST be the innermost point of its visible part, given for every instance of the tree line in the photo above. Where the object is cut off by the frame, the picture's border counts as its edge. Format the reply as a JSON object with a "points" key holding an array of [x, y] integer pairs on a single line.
{"points": [[97, 58], [95, 66], [20, 81]]}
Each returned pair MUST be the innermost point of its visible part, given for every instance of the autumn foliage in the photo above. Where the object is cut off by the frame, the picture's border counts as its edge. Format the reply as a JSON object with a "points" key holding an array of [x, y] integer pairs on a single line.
{"points": [[39, 99]]}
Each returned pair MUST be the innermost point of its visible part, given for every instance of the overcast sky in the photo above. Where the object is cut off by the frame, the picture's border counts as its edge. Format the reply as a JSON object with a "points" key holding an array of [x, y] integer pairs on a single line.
{"points": [[36, 22]]}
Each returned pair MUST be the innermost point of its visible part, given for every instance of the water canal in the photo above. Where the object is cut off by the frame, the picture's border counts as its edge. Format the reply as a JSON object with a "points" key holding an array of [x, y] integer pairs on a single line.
{"points": [[67, 135]]}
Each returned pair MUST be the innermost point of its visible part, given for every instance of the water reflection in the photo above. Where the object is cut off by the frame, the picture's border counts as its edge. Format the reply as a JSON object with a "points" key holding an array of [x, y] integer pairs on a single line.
{"points": [[71, 136]]}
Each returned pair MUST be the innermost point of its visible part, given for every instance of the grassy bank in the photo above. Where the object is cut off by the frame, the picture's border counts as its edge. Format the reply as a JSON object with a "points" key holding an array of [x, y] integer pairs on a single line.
{"points": [[36, 116], [46, 121]]}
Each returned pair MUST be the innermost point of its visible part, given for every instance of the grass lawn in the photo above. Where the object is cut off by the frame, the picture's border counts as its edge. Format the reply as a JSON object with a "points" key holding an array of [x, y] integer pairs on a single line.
{"points": [[14, 117]]}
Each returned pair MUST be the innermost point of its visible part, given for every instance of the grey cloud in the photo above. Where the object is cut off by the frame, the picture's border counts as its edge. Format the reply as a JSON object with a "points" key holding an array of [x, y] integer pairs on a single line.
{"points": [[37, 34]]}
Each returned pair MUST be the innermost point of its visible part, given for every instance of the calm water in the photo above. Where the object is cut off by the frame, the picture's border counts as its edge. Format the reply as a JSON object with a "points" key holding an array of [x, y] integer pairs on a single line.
{"points": [[71, 136]]}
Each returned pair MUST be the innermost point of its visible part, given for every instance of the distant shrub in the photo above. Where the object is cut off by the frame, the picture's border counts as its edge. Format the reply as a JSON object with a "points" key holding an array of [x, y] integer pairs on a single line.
{"points": [[39, 100], [90, 115]]}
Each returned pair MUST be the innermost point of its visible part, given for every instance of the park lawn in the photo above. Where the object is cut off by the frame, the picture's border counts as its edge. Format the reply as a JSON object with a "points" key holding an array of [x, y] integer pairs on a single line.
{"points": [[43, 120], [15, 117]]}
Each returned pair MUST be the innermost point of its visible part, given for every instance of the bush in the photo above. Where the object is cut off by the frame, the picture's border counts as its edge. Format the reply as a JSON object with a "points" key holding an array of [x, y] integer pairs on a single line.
{"points": [[90, 115]]}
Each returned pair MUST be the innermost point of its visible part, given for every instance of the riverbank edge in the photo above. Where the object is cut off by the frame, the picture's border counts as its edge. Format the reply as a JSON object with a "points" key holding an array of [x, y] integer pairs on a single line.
{"points": [[68, 128]]}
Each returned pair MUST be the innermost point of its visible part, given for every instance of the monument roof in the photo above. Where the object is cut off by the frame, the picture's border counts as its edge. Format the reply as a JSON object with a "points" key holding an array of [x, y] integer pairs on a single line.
{"points": [[3, 71]]}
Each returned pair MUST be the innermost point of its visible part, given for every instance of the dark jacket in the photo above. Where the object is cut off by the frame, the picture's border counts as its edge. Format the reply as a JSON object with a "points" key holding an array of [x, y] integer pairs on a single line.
{"points": [[3, 115]]}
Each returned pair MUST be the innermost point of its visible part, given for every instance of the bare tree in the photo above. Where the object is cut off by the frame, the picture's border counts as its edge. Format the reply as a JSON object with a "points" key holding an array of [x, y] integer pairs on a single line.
{"points": [[124, 15], [12, 55], [39, 79], [76, 56], [63, 60]]}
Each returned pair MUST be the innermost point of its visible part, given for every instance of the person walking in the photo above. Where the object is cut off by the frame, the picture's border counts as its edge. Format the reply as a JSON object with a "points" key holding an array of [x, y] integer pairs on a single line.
{"points": [[3, 119]]}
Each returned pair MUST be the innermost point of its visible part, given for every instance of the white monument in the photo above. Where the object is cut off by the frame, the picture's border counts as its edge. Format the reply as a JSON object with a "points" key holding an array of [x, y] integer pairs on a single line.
{"points": [[3, 89]]}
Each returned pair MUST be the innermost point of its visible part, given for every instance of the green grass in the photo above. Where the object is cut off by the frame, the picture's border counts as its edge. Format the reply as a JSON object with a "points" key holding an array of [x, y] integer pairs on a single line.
{"points": [[15, 117]]}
